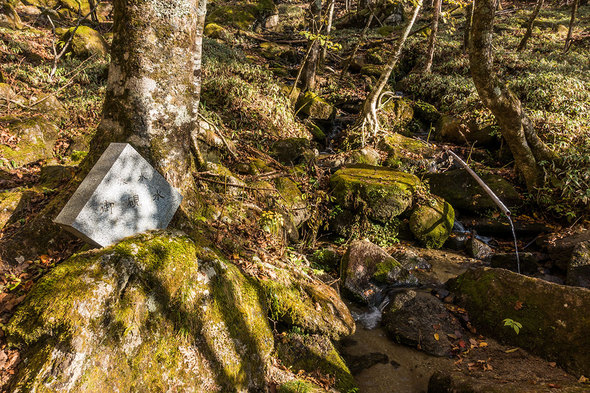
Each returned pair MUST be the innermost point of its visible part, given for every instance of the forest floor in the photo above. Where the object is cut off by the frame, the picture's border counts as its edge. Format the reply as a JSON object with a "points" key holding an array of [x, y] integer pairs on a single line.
{"points": [[245, 78]]}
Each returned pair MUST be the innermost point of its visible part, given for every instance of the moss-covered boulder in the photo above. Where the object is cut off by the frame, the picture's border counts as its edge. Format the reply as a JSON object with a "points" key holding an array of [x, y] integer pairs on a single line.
{"points": [[427, 113], [35, 139], [7, 95], [315, 353], [396, 112], [366, 267], [381, 193], [86, 42], [213, 30], [9, 201], [9, 17], [554, 318], [452, 129], [291, 199], [276, 52], [432, 223], [157, 312], [49, 105], [242, 15], [314, 106], [407, 154], [290, 151], [464, 193], [373, 70], [296, 299], [578, 268]]}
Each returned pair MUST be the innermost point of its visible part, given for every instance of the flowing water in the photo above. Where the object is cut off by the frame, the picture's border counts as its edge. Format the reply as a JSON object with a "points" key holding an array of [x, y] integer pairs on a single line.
{"points": [[515, 243]]}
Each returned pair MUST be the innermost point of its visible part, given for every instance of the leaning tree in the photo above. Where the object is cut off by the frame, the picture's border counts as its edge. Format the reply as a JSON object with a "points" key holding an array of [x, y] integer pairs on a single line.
{"points": [[151, 102], [368, 122], [515, 125]]}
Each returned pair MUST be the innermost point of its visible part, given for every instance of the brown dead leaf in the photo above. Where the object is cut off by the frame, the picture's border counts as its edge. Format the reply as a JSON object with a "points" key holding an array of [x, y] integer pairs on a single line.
{"points": [[552, 364], [436, 336], [518, 305], [583, 379], [554, 386]]}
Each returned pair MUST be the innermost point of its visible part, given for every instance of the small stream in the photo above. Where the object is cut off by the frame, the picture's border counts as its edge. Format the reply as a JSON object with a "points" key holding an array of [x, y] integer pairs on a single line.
{"points": [[401, 370]]}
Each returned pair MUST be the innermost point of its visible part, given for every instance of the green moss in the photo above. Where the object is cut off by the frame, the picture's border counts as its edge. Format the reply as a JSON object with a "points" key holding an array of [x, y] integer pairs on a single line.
{"points": [[432, 224], [554, 317], [314, 353], [153, 302], [384, 268], [298, 386], [213, 30], [240, 16], [382, 193], [296, 300], [86, 42], [314, 106]]}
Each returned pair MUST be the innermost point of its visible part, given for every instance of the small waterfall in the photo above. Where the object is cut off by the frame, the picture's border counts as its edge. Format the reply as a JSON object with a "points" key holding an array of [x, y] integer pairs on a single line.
{"points": [[515, 244], [494, 197], [371, 318]]}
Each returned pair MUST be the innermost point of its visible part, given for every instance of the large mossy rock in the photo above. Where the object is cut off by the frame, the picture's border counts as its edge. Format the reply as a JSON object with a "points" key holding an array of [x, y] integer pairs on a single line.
{"points": [[9, 202], [292, 201], [86, 42], [9, 17], [314, 106], [578, 268], [296, 299], [406, 153], [381, 193], [315, 354], [36, 137], [554, 318], [156, 312], [432, 223], [366, 266], [462, 191]]}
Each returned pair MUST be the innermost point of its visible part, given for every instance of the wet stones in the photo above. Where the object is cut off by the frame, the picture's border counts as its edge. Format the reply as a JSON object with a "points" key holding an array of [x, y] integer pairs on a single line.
{"points": [[420, 320]]}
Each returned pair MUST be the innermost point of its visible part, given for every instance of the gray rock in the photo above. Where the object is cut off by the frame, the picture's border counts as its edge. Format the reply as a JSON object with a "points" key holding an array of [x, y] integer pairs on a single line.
{"points": [[366, 266], [561, 249], [36, 137], [478, 249], [122, 195], [529, 262], [290, 151], [420, 320], [578, 269], [554, 317], [459, 189]]}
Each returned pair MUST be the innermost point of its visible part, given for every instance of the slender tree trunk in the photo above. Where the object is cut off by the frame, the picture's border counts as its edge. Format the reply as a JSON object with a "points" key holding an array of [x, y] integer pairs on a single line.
{"points": [[368, 121], [357, 46], [568, 40], [530, 24], [328, 30], [151, 102], [467, 30], [516, 127], [311, 65], [432, 38]]}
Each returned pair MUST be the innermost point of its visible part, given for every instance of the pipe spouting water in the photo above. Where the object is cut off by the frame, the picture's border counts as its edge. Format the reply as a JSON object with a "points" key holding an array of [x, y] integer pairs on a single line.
{"points": [[494, 197]]}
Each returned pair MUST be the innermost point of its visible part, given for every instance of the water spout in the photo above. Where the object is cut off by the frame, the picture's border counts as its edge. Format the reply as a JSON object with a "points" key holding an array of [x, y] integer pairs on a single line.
{"points": [[492, 195]]}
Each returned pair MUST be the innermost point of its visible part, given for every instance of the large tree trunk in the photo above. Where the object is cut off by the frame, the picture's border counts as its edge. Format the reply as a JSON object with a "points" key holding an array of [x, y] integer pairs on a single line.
{"points": [[151, 102], [530, 24], [432, 38], [516, 127], [368, 122]]}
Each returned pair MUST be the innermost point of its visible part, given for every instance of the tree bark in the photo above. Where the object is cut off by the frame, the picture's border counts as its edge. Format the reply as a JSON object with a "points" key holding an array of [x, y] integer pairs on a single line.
{"points": [[151, 102], [467, 29], [432, 38], [368, 122], [311, 65], [330, 19], [568, 40], [530, 24], [516, 127]]}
